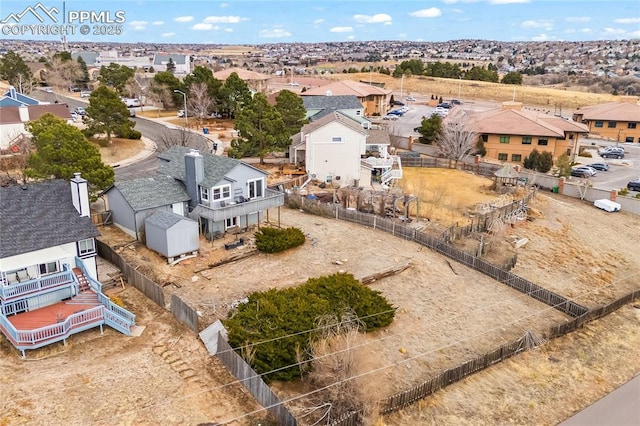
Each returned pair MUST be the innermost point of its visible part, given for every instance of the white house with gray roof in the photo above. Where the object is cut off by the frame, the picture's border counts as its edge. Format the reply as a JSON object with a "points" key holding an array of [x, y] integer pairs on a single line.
{"points": [[49, 286], [319, 106]]}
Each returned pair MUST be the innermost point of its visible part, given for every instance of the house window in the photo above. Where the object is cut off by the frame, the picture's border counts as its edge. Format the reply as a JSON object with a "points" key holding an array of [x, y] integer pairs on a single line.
{"points": [[204, 193], [222, 192], [516, 157], [504, 139], [336, 139], [358, 113], [484, 137], [526, 140], [632, 125], [48, 268], [502, 156], [231, 222], [543, 141], [628, 139], [256, 188], [599, 124], [611, 124], [86, 247]]}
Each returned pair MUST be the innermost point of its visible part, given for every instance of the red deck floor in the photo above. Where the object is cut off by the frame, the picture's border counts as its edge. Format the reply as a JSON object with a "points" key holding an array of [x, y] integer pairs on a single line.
{"points": [[51, 314]]}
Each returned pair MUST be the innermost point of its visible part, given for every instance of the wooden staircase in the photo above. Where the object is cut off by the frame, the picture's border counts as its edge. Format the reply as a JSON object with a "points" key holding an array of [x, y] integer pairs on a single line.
{"points": [[82, 280]]}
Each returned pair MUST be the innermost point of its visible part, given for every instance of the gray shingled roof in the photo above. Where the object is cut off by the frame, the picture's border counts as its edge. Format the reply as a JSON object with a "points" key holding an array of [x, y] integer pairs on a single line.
{"points": [[216, 167], [165, 220], [332, 102], [150, 192], [38, 216]]}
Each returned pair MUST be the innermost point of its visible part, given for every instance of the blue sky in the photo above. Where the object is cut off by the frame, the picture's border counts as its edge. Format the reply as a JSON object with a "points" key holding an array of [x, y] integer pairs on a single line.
{"points": [[267, 21]]}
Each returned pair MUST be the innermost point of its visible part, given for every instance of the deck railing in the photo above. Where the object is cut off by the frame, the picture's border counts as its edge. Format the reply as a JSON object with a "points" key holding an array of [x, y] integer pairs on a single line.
{"points": [[36, 285]]}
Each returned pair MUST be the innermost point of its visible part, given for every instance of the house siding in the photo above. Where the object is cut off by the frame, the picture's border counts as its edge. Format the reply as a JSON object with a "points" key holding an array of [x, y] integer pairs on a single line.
{"points": [[178, 239], [326, 158], [556, 147], [123, 215], [619, 133]]}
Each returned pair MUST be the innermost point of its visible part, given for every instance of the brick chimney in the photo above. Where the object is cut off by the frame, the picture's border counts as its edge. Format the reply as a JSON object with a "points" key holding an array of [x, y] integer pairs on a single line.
{"points": [[80, 195], [194, 173]]}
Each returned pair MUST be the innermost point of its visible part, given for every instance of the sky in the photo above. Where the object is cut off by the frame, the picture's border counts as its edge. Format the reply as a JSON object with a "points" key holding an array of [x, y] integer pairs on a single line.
{"points": [[287, 21]]}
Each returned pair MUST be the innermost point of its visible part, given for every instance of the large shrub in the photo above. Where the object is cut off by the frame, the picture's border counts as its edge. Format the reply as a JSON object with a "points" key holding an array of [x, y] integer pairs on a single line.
{"points": [[285, 320], [274, 240]]}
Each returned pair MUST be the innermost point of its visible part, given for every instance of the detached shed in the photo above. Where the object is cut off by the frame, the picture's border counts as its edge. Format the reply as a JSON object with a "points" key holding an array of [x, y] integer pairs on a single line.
{"points": [[173, 236]]}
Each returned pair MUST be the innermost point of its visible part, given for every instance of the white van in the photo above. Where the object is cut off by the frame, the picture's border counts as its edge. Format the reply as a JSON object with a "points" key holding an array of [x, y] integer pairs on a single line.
{"points": [[607, 205], [131, 102]]}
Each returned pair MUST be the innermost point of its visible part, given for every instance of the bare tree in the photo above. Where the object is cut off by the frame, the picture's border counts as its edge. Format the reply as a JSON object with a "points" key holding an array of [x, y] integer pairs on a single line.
{"points": [[456, 140], [180, 137], [14, 166], [159, 94], [63, 74], [200, 102], [135, 89]]}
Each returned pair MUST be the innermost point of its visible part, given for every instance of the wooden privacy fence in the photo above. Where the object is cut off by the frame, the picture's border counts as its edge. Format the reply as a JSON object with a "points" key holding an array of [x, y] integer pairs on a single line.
{"points": [[252, 381], [150, 289], [523, 285], [482, 169], [184, 313]]}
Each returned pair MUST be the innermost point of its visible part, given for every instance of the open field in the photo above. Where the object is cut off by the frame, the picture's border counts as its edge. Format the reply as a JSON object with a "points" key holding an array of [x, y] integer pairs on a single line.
{"points": [[448, 88]]}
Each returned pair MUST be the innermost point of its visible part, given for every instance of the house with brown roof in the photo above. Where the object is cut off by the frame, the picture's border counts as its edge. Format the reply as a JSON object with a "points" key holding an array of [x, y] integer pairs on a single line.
{"points": [[619, 121], [256, 81], [13, 119], [511, 134], [374, 99]]}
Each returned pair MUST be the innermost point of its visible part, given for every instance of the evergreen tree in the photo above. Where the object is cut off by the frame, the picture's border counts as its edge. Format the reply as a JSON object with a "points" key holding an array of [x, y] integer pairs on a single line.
{"points": [[261, 130], [512, 78], [62, 150], [85, 72], [170, 82], [116, 76], [292, 110], [16, 72], [430, 128], [234, 94], [107, 114], [171, 66]]}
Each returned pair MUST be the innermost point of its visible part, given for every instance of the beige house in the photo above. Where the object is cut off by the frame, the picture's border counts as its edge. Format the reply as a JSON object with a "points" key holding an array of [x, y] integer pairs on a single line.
{"points": [[374, 99], [619, 121], [256, 81], [510, 134]]}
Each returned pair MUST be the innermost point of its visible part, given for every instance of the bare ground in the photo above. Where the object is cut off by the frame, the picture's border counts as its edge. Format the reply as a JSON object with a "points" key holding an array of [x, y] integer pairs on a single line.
{"points": [[446, 314]]}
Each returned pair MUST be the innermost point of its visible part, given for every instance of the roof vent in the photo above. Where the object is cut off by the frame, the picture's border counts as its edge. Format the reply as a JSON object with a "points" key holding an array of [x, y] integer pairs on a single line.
{"points": [[328, 93]]}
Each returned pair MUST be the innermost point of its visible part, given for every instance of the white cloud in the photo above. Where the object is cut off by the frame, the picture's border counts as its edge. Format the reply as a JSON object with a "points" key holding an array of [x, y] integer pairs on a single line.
{"points": [[223, 19], [378, 18], [542, 37], [158, 22], [274, 33], [432, 12], [634, 34], [578, 19], [138, 25], [168, 34], [350, 37], [224, 5], [318, 21], [613, 31], [457, 10], [202, 27], [586, 30], [341, 29], [543, 23], [228, 30], [183, 19], [508, 1], [627, 21]]}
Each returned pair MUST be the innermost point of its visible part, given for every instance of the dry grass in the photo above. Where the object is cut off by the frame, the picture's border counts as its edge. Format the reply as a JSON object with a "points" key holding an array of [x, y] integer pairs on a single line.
{"points": [[448, 88], [120, 149], [441, 196]]}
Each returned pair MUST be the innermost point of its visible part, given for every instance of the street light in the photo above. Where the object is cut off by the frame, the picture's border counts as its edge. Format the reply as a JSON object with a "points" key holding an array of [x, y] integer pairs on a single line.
{"points": [[459, 85], [184, 96]]}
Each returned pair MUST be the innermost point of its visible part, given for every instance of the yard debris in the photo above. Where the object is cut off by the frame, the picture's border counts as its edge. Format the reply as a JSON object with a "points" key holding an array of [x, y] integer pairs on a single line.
{"points": [[451, 266], [336, 262]]}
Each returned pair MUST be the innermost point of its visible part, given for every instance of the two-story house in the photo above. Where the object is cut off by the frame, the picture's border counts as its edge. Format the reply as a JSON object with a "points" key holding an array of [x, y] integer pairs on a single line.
{"points": [[319, 106], [221, 193], [619, 121], [511, 134], [49, 286], [335, 148], [374, 99]]}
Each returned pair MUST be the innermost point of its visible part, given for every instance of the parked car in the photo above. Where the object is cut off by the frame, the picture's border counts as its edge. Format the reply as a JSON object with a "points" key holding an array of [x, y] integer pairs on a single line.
{"points": [[442, 112], [398, 103], [599, 166], [80, 111], [634, 185], [85, 94], [132, 112], [583, 171], [390, 117], [445, 105], [456, 102], [410, 99], [180, 113], [613, 153], [396, 112]]}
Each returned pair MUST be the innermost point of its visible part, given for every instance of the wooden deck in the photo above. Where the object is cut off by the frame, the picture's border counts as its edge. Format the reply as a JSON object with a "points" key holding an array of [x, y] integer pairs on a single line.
{"points": [[55, 313]]}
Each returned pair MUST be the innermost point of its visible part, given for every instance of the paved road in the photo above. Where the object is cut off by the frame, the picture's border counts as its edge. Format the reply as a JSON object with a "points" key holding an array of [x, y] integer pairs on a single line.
{"points": [[619, 408]]}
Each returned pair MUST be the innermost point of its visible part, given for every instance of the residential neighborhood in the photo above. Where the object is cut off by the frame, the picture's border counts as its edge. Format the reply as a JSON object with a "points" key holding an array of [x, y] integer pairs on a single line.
{"points": [[178, 200]]}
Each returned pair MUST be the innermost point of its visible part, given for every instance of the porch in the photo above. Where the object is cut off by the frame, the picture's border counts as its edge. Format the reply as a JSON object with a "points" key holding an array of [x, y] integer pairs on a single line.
{"points": [[49, 309], [240, 207]]}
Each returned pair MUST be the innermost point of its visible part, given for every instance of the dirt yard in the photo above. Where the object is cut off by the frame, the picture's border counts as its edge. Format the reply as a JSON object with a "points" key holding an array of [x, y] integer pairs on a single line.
{"points": [[446, 314]]}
